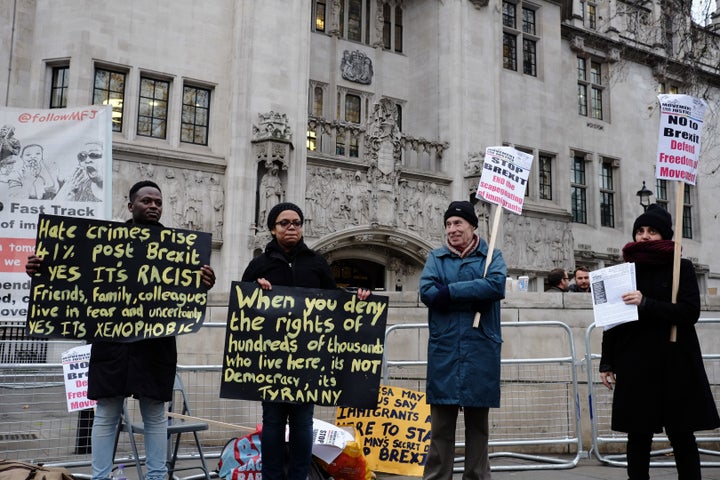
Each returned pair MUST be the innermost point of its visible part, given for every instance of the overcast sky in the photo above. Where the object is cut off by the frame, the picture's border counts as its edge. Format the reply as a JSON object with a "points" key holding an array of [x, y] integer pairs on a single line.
{"points": [[701, 10]]}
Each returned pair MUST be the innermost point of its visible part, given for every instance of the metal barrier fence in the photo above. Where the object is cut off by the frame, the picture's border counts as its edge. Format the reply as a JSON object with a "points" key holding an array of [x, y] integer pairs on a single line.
{"points": [[539, 411], [605, 442], [35, 425], [17, 347]]}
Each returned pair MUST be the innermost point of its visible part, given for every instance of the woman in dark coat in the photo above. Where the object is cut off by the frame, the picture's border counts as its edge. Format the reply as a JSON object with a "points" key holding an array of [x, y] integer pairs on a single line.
{"points": [[658, 383], [287, 261]]}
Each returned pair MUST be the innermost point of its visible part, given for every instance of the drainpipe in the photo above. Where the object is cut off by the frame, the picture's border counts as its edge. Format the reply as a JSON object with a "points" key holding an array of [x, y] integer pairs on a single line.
{"points": [[10, 59]]}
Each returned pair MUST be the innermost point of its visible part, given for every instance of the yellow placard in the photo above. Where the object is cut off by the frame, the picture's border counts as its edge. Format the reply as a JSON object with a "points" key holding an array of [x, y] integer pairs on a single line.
{"points": [[396, 435]]}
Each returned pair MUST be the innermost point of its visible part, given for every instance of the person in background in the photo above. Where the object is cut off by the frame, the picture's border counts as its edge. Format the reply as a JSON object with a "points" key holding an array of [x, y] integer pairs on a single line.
{"points": [[659, 383], [288, 261], [144, 369], [582, 280], [463, 362], [558, 280]]}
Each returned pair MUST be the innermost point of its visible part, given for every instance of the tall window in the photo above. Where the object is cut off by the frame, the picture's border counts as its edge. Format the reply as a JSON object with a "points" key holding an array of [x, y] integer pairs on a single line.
{"points": [[578, 189], [545, 177], [661, 193], [607, 195], [687, 224], [509, 51], [153, 107], [195, 115], [355, 20], [109, 89], [58, 90], [590, 88], [392, 28], [352, 108], [317, 102], [527, 33], [319, 15], [591, 15]]}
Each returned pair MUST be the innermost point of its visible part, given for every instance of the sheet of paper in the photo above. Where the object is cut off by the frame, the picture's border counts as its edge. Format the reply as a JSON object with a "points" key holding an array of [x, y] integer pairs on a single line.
{"points": [[329, 440], [607, 286]]}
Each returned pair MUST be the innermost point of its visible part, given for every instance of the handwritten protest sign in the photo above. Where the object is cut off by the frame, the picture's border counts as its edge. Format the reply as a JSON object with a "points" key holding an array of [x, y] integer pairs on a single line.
{"points": [[396, 434], [116, 281], [76, 363], [681, 122], [303, 345], [504, 177]]}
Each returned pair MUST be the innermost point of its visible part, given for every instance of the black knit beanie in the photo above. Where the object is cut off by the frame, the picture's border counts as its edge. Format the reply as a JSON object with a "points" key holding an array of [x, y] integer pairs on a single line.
{"points": [[278, 209], [462, 209], [656, 217]]}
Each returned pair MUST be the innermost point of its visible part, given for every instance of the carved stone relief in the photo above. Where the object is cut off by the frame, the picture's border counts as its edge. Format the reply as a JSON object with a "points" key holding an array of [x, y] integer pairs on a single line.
{"points": [[271, 191], [356, 67], [272, 126], [531, 243], [192, 199]]}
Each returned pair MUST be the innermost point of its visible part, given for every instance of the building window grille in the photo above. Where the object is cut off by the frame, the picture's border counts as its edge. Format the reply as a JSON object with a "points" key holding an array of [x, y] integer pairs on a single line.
{"points": [[195, 115], [109, 89], [153, 108]]}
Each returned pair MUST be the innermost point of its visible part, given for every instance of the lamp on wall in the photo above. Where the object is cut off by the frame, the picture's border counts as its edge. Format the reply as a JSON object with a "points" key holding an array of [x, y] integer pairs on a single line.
{"points": [[644, 195]]}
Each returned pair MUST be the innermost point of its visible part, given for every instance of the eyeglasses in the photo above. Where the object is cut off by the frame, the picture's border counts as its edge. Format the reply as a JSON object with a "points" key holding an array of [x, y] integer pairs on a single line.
{"points": [[286, 223], [94, 155]]}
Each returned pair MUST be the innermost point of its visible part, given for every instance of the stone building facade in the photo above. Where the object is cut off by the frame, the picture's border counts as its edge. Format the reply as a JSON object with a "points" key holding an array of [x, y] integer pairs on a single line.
{"points": [[374, 114]]}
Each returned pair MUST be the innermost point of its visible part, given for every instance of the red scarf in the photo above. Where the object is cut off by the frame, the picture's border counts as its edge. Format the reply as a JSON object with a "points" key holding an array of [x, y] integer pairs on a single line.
{"points": [[468, 250], [655, 252]]}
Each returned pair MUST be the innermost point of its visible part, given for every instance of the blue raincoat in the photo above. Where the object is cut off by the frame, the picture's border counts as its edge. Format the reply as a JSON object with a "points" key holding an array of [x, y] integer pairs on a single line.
{"points": [[464, 362]]}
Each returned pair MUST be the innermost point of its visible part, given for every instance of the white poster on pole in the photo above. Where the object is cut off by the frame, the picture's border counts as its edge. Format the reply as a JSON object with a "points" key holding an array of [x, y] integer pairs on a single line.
{"points": [[76, 363], [504, 177], [681, 122], [55, 161]]}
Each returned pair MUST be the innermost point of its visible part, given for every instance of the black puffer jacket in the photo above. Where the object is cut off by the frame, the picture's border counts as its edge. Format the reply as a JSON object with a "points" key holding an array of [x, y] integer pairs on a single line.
{"points": [[301, 267], [660, 383]]}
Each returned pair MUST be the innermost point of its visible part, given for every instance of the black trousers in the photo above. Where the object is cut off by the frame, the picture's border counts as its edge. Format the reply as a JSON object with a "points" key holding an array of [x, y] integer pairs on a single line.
{"points": [[687, 457]]}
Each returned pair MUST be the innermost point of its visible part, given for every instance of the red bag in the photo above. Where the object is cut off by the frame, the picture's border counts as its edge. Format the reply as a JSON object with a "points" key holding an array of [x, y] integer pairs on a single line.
{"points": [[240, 458]]}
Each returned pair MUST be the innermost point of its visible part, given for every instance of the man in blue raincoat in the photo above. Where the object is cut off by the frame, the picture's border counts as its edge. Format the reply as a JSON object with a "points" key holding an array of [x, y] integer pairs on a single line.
{"points": [[463, 361]]}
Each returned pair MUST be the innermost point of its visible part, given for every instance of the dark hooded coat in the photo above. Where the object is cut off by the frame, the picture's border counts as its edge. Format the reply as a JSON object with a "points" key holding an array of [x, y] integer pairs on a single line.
{"points": [[660, 383]]}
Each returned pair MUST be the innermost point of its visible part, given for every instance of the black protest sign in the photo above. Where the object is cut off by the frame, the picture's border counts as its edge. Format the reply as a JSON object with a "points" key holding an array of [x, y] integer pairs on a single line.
{"points": [[302, 345], [116, 282]]}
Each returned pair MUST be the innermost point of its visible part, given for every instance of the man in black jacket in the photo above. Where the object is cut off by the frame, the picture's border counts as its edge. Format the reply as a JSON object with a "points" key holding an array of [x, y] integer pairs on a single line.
{"points": [[144, 369], [558, 280]]}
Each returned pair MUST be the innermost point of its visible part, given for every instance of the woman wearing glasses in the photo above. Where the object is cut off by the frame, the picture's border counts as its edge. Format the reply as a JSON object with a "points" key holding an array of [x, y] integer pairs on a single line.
{"points": [[287, 261]]}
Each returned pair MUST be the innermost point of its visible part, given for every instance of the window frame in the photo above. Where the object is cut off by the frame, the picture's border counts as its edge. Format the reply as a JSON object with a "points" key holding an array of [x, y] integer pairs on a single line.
{"points": [[62, 88], [524, 37], [319, 16], [545, 176], [687, 212], [363, 22], [118, 111], [579, 188], [196, 107], [161, 120], [608, 192], [591, 89]]}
